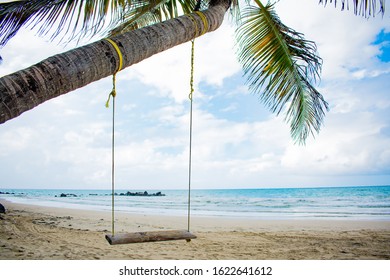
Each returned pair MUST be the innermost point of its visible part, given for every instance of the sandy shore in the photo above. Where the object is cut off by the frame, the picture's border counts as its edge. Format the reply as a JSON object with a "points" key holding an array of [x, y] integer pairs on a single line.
{"points": [[42, 233]]}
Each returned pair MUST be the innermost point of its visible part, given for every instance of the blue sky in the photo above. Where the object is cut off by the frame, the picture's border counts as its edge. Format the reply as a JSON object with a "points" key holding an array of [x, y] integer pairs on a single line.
{"points": [[238, 143]]}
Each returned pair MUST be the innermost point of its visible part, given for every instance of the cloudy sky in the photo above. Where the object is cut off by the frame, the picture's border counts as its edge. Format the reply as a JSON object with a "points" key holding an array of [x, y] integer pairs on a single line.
{"points": [[238, 143]]}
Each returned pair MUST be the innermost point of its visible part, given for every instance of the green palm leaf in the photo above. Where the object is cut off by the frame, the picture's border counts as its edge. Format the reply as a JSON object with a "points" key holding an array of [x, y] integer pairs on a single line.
{"points": [[281, 66], [81, 17], [145, 12], [365, 8]]}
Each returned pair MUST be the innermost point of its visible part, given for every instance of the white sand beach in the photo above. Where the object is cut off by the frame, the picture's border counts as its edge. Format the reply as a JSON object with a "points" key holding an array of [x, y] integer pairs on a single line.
{"points": [[43, 233]]}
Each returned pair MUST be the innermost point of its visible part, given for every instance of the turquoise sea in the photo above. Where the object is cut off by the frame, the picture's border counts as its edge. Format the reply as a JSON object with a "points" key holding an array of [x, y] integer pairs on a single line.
{"points": [[352, 203]]}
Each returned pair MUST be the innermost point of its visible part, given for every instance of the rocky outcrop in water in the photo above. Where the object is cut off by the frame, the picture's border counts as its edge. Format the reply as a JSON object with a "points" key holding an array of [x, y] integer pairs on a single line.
{"points": [[7, 193], [67, 195], [145, 193]]}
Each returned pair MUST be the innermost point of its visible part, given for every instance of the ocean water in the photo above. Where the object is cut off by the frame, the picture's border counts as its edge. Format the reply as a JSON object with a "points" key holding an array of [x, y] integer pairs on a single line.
{"points": [[352, 203]]}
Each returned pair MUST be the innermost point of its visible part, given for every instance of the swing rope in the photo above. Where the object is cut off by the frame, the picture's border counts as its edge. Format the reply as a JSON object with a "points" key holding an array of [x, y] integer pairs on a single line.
{"points": [[113, 94], [190, 147], [190, 96]]}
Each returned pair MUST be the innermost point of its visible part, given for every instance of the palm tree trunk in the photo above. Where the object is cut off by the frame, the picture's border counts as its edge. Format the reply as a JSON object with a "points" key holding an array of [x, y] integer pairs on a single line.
{"points": [[62, 73]]}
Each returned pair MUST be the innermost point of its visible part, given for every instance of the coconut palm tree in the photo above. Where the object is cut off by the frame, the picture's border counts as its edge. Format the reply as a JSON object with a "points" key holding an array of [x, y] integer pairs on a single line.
{"points": [[279, 63]]}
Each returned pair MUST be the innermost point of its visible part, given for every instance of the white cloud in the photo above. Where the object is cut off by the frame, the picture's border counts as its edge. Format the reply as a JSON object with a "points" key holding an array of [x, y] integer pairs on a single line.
{"points": [[344, 40], [346, 148], [26, 49], [66, 141], [169, 72]]}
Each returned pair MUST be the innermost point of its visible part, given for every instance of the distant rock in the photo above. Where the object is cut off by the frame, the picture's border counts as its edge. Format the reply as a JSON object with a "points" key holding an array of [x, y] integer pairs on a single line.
{"points": [[2, 208], [67, 195], [145, 193], [7, 193]]}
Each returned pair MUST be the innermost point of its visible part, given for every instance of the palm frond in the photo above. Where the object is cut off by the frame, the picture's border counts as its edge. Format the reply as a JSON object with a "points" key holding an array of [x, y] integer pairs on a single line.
{"points": [[281, 66], [146, 12], [74, 19], [235, 10], [365, 8], [67, 17]]}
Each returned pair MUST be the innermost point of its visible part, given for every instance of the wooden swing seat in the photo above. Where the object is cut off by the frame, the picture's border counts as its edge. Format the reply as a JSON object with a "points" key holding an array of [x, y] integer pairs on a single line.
{"points": [[149, 236]]}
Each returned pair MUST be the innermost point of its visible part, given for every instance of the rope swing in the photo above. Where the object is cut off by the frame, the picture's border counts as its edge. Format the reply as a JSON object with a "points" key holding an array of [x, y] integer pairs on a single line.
{"points": [[151, 236], [206, 25], [113, 94]]}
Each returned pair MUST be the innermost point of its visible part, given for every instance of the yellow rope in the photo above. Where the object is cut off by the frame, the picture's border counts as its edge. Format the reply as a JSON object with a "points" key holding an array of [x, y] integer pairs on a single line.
{"points": [[118, 51], [204, 21], [196, 25], [192, 69], [205, 29]]}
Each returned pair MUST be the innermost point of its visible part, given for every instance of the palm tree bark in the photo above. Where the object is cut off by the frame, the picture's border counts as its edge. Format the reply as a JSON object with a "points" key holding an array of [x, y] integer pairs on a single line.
{"points": [[62, 73]]}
